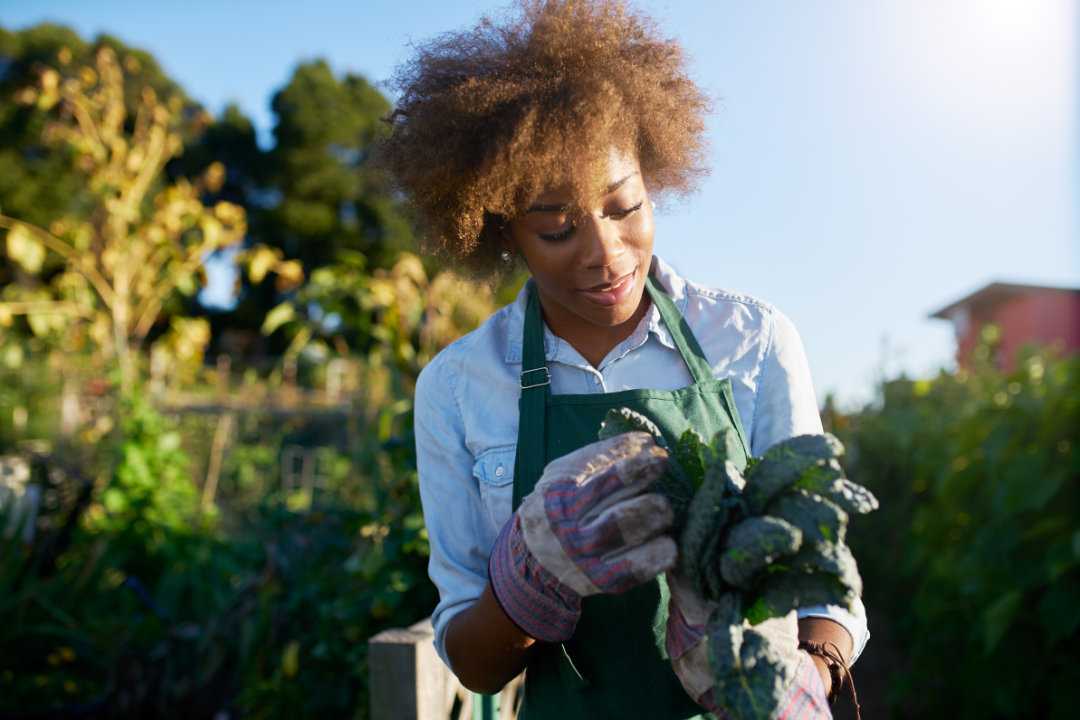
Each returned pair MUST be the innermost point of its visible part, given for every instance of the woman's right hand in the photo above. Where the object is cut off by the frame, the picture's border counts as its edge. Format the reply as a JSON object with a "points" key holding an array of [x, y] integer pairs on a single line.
{"points": [[588, 527]]}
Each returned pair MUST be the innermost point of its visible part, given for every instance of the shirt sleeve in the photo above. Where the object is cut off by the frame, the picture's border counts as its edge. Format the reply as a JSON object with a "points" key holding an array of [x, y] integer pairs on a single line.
{"points": [[787, 407], [854, 621], [458, 530]]}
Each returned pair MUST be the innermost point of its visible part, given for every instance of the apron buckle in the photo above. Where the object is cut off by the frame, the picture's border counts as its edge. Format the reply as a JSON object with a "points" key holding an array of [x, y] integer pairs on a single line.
{"points": [[536, 385]]}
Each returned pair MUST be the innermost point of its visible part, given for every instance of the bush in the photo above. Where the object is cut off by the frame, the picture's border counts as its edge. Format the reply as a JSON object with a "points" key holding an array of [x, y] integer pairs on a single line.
{"points": [[975, 555], [166, 613]]}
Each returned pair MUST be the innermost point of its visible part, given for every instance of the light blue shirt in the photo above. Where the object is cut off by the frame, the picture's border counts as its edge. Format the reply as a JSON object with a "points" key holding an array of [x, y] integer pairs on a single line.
{"points": [[467, 416]]}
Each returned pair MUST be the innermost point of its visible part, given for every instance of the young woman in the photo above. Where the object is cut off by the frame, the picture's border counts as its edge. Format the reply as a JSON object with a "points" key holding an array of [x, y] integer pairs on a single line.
{"points": [[543, 138]]}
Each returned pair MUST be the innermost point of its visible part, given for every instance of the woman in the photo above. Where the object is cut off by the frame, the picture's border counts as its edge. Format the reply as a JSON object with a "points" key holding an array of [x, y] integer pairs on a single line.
{"points": [[543, 138]]}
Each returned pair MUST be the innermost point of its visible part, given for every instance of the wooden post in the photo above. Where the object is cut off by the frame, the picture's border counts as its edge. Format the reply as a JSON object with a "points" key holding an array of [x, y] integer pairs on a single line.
{"points": [[19, 417], [69, 410], [410, 682], [335, 371], [158, 368], [224, 370], [288, 383], [221, 437], [289, 453], [172, 397]]}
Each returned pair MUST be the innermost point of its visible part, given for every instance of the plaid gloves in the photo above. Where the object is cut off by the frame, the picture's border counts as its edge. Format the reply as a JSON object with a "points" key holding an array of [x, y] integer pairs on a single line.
{"points": [[588, 527]]}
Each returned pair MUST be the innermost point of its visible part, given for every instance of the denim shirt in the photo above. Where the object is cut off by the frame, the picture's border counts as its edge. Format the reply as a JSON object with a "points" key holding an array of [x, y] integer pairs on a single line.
{"points": [[466, 416]]}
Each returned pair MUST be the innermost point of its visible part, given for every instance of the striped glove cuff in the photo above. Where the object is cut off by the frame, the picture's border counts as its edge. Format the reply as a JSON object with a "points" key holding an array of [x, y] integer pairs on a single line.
{"points": [[533, 598]]}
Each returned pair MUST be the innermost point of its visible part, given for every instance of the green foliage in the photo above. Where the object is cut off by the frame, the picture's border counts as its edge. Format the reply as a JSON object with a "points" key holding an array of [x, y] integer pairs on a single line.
{"points": [[151, 482], [148, 587], [265, 610], [688, 455], [759, 547], [400, 318], [675, 483], [36, 182], [311, 197], [329, 201], [978, 560]]}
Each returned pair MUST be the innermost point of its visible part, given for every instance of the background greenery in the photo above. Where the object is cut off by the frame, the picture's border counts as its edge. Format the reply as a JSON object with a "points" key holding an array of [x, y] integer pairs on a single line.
{"points": [[974, 558], [138, 593]]}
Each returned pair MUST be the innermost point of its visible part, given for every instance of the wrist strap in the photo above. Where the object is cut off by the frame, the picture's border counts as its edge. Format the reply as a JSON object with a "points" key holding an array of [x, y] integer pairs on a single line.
{"points": [[837, 670]]}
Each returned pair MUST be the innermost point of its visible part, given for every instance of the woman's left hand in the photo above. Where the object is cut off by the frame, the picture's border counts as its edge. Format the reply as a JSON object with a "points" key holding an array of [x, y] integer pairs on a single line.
{"points": [[804, 694]]}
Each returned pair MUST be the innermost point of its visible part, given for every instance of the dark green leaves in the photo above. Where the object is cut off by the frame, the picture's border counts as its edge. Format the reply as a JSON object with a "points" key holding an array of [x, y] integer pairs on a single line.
{"points": [[625, 420], [750, 671], [706, 518], [832, 558], [725, 632], [821, 520], [784, 591], [673, 484], [789, 462], [753, 545], [760, 546], [688, 454], [807, 447]]}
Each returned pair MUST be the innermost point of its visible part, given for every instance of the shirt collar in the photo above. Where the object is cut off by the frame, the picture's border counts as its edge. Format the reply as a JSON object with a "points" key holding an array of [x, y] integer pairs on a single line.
{"points": [[555, 348]]}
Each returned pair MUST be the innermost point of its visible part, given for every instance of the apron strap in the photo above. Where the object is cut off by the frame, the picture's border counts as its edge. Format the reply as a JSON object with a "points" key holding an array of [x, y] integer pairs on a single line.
{"points": [[535, 388], [536, 378], [684, 339]]}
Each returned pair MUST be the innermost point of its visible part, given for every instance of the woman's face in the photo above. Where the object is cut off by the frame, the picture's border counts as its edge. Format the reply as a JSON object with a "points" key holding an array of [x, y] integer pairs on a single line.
{"points": [[592, 273]]}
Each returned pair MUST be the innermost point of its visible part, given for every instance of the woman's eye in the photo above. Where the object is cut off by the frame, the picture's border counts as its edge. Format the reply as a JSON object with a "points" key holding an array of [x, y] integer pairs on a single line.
{"points": [[559, 235], [620, 214]]}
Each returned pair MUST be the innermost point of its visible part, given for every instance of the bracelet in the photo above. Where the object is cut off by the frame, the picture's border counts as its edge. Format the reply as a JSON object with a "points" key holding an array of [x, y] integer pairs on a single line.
{"points": [[838, 670]]}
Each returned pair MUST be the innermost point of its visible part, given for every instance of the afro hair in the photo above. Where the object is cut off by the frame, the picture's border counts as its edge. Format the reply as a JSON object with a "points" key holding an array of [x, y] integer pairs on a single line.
{"points": [[488, 118]]}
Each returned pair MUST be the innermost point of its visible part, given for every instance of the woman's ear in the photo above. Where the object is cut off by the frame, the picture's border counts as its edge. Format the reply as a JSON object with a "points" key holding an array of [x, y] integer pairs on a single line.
{"points": [[508, 239]]}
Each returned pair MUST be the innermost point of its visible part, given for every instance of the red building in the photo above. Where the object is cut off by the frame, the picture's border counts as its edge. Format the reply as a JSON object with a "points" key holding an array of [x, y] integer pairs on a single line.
{"points": [[1046, 316]]}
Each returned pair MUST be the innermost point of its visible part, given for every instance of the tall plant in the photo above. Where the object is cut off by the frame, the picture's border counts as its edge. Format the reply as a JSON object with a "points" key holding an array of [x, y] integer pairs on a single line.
{"points": [[976, 558], [122, 264]]}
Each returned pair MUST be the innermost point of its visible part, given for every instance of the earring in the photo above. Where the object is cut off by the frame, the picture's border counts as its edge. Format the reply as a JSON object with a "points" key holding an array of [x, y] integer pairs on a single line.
{"points": [[653, 203], [507, 257]]}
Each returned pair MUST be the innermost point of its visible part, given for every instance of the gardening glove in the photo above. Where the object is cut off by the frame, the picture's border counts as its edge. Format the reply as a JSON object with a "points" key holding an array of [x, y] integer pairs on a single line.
{"points": [[588, 527], [716, 655]]}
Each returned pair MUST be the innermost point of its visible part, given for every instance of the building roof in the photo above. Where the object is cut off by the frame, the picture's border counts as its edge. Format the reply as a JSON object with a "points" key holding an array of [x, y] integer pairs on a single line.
{"points": [[995, 294]]}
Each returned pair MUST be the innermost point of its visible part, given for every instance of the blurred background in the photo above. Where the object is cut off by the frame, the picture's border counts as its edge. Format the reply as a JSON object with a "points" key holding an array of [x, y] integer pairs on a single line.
{"points": [[208, 495]]}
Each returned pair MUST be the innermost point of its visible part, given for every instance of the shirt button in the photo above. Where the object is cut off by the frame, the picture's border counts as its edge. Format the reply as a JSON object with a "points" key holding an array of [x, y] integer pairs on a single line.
{"points": [[596, 380], [499, 471]]}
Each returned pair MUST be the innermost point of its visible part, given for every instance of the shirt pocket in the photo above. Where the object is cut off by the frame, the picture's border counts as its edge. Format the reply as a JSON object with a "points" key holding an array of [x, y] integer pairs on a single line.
{"points": [[495, 471]]}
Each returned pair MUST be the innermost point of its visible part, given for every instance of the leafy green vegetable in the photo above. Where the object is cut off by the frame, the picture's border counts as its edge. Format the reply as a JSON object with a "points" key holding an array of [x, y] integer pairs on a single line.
{"points": [[754, 544], [725, 633], [688, 456], [814, 447], [625, 420], [821, 520], [673, 484], [783, 591], [828, 479], [772, 476], [755, 688], [706, 516], [760, 546], [833, 558]]}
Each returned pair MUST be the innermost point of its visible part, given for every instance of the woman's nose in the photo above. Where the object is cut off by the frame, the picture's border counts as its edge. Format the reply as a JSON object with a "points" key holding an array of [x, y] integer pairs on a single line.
{"points": [[601, 244]]}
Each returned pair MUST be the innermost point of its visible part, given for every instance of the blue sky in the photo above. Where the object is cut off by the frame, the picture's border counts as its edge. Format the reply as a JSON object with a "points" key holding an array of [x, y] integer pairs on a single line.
{"points": [[874, 159]]}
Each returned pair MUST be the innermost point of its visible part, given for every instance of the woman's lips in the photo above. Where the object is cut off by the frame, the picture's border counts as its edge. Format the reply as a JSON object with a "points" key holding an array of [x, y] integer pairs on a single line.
{"points": [[612, 293]]}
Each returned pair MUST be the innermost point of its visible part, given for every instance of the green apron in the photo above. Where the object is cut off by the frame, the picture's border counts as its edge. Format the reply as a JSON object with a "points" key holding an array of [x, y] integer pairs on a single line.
{"points": [[615, 664]]}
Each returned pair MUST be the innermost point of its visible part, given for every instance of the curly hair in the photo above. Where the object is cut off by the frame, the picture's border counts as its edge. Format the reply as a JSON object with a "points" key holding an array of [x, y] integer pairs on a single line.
{"points": [[488, 118]]}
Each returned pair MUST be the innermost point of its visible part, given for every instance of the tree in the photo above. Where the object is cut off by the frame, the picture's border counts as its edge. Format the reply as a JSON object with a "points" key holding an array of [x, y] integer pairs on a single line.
{"points": [[122, 263], [36, 181], [329, 200], [311, 199]]}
